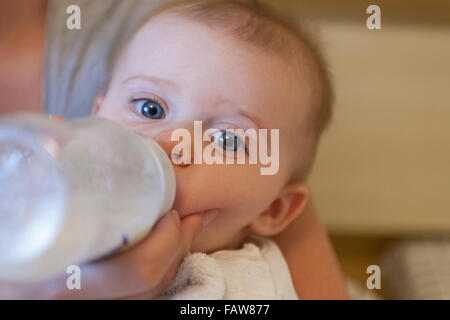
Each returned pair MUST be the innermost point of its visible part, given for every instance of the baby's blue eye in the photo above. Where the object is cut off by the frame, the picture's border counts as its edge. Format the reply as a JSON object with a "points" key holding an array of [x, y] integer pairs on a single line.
{"points": [[228, 141], [150, 109]]}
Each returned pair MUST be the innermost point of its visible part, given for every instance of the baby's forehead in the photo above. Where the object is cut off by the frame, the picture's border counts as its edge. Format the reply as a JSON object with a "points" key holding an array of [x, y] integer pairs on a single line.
{"points": [[285, 75], [277, 88], [272, 74]]}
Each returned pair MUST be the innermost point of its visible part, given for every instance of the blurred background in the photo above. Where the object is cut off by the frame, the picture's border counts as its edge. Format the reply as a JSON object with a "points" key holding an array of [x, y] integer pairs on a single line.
{"points": [[381, 182]]}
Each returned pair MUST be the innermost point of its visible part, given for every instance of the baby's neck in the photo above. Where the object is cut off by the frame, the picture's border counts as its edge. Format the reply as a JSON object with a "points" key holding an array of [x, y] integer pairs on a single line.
{"points": [[237, 243]]}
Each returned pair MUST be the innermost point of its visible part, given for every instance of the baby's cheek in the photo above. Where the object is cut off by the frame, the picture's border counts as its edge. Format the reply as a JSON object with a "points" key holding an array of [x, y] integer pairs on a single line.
{"points": [[203, 186], [249, 194]]}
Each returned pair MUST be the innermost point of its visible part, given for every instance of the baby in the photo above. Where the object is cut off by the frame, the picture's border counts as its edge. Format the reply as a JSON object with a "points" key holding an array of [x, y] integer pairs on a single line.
{"points": [[229, 64]]}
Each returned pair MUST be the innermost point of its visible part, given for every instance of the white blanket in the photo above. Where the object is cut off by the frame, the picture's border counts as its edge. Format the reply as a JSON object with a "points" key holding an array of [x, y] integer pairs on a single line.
{"points": [[256, 271]]}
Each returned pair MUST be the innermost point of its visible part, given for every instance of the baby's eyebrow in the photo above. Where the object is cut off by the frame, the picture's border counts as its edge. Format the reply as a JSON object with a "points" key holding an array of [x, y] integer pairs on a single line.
{"points": [[152, 79], [253, 117]]}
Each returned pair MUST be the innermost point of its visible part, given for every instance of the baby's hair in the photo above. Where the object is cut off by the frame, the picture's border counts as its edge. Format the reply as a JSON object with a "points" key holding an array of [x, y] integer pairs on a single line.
{"points": [[256, 24]]}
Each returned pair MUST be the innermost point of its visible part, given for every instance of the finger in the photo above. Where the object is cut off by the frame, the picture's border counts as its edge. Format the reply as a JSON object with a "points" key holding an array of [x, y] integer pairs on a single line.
{"points": [[156, 291], [190, 226], [169, 238], [175, 245], [166, 246], [139, 269], [142, 268]]}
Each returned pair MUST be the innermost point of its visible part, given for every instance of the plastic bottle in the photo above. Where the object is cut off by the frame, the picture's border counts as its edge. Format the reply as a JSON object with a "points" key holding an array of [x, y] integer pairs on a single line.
{"points": [[74, 192]]}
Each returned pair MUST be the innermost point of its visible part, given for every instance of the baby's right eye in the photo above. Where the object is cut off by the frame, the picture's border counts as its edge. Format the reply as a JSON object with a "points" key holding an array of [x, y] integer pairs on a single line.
{"points": [[149, 108]]}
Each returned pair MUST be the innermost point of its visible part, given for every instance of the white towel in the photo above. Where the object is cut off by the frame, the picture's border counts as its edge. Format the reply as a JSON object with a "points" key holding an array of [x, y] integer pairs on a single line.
{"points": [[256, 271]]}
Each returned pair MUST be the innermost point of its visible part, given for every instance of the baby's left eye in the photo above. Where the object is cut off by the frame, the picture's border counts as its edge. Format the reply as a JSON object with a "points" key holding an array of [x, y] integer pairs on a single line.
{"points": [[150, 109], [228, 141]]}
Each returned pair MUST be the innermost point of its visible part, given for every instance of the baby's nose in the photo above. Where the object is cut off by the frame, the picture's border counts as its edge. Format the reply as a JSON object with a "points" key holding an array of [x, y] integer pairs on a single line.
{"points": [[181, 156]]}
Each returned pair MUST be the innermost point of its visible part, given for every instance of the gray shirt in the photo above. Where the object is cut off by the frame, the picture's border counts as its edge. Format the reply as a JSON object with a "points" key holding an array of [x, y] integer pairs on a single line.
{"points": [[75, 61]]}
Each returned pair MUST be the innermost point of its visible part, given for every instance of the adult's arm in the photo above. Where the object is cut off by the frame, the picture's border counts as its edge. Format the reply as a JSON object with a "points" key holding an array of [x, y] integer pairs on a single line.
{"points": [[310, 256]]}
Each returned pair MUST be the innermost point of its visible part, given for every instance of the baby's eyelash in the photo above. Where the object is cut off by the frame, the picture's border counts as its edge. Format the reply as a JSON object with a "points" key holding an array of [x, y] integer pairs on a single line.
{"points": [[155, 99], [147, 97]]}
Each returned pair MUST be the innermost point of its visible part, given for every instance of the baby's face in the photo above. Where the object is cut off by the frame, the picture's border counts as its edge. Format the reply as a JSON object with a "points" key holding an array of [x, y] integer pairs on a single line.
{"points": [[190, 72]]}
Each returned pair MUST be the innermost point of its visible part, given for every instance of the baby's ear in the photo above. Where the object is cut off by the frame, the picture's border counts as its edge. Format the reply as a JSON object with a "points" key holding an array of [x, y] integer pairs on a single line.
{"points": [[97, 104], [285, 208]]}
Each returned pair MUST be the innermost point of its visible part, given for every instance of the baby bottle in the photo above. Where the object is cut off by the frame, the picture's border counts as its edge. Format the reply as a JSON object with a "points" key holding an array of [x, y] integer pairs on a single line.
{"points": [[74, 192]]}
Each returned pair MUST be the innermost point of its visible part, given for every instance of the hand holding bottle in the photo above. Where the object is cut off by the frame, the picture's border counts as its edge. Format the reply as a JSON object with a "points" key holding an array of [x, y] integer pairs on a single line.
{"points": [[141, 272]]}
